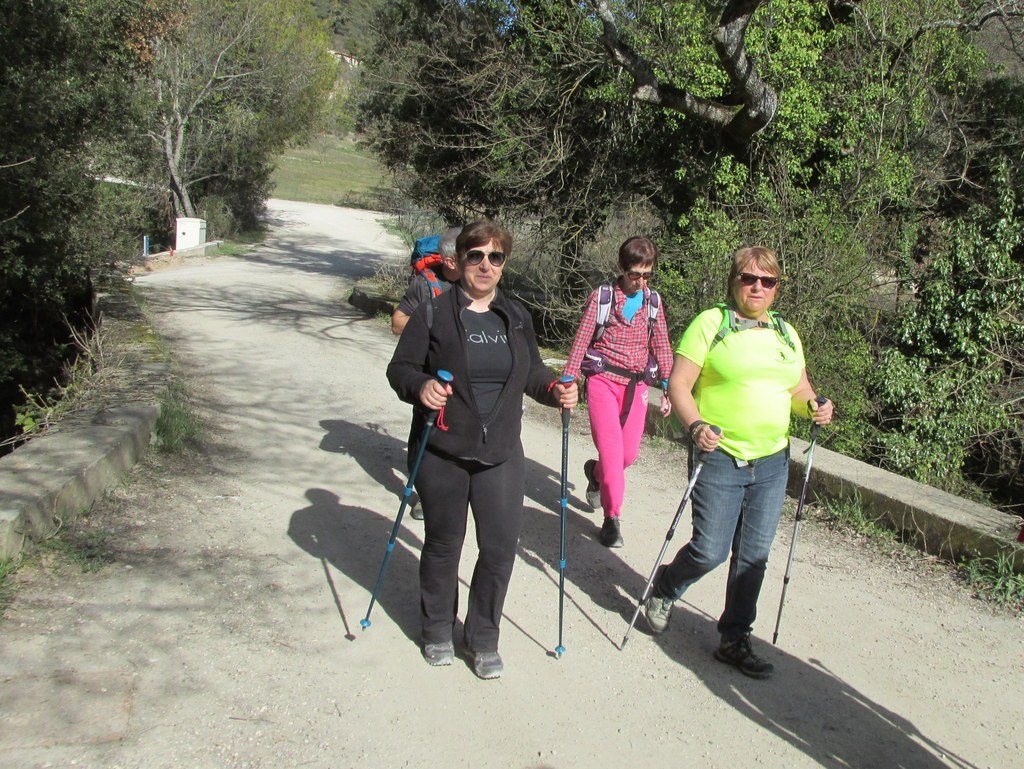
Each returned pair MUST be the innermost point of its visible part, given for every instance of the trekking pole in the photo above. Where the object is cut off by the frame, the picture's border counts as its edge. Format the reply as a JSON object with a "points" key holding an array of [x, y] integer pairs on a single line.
{"points": [[444, 377], [821, 399], [668, 537], [563, 504]]}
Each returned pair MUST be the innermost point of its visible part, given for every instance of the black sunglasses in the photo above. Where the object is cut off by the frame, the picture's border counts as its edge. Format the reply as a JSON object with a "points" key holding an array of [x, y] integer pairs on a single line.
{"points": [[635, 275], [768, 281], [496, 258]]}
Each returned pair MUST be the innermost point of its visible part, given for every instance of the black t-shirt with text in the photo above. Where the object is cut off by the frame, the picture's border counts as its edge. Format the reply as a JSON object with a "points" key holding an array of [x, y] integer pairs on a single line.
{"points": [[489, 356]]}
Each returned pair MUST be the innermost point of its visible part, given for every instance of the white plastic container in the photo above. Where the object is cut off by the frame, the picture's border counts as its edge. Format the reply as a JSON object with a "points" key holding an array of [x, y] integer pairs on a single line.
{"points": [[190, 233]]}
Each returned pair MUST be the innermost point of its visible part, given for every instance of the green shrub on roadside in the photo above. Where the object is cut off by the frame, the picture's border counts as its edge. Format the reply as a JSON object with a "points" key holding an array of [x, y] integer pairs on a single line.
{"points": [[177, 428], [87, 548], [7, 568], [994, 580]]}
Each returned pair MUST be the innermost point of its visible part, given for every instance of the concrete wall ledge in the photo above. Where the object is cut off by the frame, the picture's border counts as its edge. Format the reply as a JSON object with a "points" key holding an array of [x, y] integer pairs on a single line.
{"points": [[56, 477], [938, 523], [162, 259]]}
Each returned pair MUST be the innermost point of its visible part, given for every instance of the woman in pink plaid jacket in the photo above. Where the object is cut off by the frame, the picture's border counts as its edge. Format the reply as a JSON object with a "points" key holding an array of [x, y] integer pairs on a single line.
{"points": [[618, 358]]}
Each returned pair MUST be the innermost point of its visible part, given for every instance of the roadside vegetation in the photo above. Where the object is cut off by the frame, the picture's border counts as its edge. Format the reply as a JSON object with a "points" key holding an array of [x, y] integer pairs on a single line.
{"points": [[7, 568], [990, 579], [83, 374], [178, 428]]}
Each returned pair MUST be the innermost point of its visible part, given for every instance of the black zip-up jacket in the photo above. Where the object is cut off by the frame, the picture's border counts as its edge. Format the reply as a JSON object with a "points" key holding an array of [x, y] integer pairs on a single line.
{"points": [[429, 344]]}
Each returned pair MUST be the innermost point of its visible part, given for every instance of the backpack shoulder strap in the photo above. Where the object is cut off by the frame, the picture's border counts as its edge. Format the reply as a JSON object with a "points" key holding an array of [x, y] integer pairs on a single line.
{"points": [[730, 324], [782, 329], [653, 304], [605, 294], [726, 327], [432, 280]]}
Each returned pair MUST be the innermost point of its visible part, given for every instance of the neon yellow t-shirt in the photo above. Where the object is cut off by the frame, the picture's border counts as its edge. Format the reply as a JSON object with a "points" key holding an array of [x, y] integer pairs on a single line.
{"points": [[745, 383]]}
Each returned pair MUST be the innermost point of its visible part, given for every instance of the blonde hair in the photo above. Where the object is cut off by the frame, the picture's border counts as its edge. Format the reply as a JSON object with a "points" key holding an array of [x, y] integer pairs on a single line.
{"points": [[762, 256]]}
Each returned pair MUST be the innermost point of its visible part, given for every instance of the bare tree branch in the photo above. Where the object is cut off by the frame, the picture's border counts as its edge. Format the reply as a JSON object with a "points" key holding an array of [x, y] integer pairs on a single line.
{"points": [[759, 101], [18, 163]]}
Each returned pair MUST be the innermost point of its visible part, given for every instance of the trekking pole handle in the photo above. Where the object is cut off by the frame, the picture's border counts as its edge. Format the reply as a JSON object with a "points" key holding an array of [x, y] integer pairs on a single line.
{"points": [[703, 455], [821, 400], [445, 378], [566, 412]]}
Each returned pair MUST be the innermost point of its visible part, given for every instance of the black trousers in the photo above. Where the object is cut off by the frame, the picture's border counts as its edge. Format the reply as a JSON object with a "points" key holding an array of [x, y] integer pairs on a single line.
{"points": [[448, 488]]}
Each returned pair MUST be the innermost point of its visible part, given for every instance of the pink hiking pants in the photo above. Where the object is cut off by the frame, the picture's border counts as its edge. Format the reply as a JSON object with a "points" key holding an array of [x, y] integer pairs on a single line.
{"points": [[617, 445]]}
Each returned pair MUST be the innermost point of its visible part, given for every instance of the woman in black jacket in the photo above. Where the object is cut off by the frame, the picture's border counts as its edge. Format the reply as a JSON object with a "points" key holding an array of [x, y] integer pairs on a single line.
{"points": [[474, 458]]}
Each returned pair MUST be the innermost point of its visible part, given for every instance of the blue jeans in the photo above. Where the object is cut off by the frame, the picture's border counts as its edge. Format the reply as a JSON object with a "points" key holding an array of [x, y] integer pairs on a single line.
{"points": [[736, 508]]}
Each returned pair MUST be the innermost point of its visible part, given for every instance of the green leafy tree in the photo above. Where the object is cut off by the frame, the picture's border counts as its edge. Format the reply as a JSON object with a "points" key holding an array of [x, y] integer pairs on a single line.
{"points": [[485, 109], [66, 72], [860, 139], [229, 85]]}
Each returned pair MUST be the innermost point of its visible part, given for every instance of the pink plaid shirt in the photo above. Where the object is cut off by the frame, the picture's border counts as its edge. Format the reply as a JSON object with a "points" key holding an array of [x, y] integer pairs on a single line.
{"points": [[623, 344]]}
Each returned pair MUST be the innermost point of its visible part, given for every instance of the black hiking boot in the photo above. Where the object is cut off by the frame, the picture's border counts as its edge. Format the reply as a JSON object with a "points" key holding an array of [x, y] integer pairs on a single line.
{"points": [[593, 487], [739, 654], [610, 535], [415, 511], [438, 655], [488, 665]]}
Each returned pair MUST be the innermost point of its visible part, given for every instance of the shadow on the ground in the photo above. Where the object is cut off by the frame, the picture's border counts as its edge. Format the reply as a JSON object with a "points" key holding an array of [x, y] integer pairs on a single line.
{"points": [[805, 703], [354, 540]]}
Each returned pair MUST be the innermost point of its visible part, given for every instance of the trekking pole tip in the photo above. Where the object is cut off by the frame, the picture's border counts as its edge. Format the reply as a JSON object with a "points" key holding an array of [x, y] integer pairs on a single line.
{"points": [[364, 623], [559, 651]]}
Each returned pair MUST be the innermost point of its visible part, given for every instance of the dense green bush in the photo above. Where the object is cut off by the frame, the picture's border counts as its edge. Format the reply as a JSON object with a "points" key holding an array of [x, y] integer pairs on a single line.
{"points": [[65, 75]]}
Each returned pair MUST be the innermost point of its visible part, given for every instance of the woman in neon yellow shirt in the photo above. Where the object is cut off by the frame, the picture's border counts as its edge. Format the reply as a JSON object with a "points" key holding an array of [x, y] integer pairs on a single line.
{"points": [[741, 367]]}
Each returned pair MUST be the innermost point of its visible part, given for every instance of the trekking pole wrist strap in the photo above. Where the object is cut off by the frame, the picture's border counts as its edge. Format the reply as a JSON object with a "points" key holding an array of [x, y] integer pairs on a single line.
{"points": [[696, 425]]}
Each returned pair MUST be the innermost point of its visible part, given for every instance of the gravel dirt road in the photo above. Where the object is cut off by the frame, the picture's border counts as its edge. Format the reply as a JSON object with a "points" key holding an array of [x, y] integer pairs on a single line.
{"points": [[225, 631]]}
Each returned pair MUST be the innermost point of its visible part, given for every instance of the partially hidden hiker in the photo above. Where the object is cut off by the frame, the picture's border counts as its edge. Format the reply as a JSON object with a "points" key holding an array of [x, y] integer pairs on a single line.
{"points": [[474, 458], [621, 346], [739, 366], [433, 272]]}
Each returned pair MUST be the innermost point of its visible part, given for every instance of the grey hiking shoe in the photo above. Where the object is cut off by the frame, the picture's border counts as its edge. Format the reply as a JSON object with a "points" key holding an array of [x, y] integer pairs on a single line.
{"points": [[611, 535], [593, 487], [658, 613], [488, 665], [415, 511], [739, 654], [440, 654]]}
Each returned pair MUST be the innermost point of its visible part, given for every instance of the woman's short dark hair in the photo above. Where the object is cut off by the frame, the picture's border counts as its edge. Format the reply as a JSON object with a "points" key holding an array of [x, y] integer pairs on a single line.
{"points": [[636, 251], [480, 233]]}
